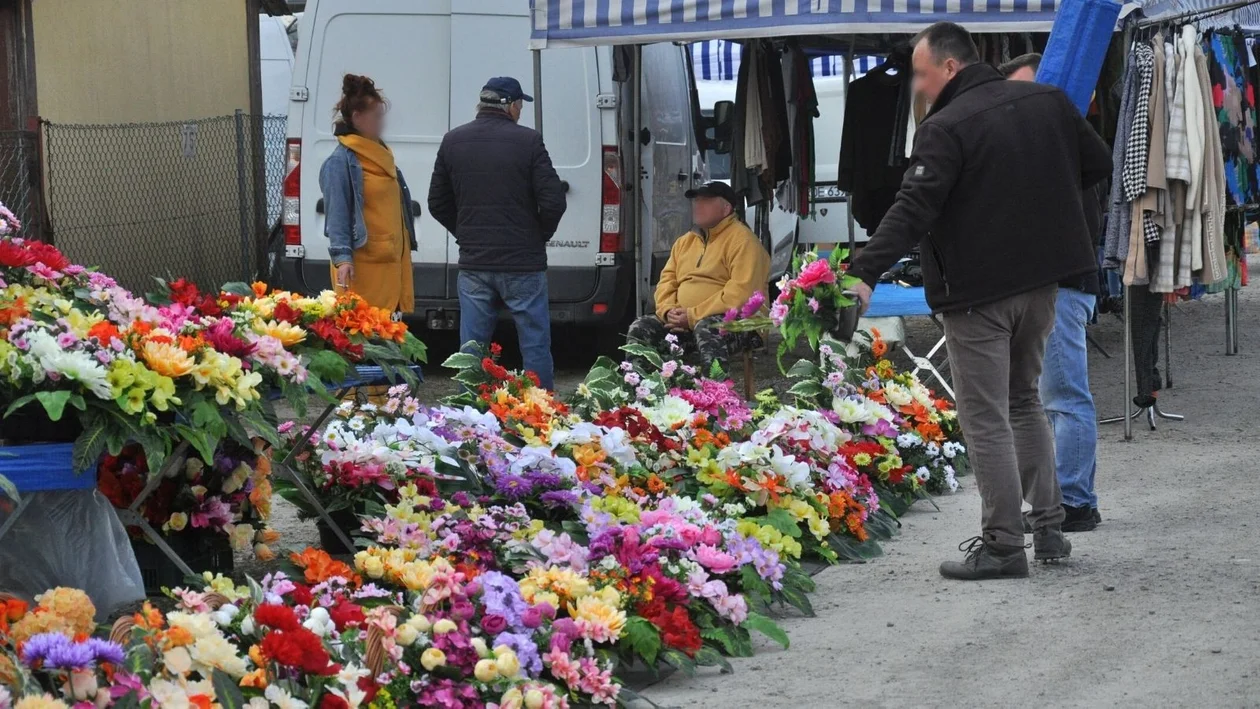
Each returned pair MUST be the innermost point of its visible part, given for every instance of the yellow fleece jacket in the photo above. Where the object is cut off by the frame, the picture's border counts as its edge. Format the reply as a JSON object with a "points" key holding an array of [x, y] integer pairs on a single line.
{"points": [[711, 273]]}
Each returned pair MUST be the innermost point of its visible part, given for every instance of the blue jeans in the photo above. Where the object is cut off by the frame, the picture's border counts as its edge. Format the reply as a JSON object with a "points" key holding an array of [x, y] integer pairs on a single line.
{"points": [[1068, 402], [483, 293]]}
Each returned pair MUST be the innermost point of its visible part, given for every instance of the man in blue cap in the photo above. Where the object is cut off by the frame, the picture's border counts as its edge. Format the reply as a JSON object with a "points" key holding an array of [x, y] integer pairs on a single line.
{"points": [[495, 190]]}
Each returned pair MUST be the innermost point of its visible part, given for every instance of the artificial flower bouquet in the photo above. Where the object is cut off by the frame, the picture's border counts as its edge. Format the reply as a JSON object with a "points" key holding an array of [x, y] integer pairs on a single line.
{"points": [[228, 496], [187, 366], [813, 302], [517, 400]]}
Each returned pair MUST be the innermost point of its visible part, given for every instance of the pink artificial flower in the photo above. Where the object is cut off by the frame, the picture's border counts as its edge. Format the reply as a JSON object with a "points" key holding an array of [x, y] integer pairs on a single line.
{"points": [[778, 313], [753, 306], [213, 513], [714, 559], [814, 305], [733, 607], [816, 273]]}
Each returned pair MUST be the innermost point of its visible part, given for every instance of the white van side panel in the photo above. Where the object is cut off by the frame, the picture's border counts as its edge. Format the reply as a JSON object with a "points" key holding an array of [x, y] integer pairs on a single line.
{"points": [[497, 45], [409, 57]]}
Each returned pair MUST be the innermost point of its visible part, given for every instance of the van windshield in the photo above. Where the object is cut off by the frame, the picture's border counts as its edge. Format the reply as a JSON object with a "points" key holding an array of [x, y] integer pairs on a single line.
{"points": [[719, 165]]}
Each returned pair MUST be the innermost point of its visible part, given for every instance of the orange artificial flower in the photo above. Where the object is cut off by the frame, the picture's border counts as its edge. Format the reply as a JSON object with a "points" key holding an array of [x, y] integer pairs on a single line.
{"points": [[655, 485], [149, 618], [319, 567], [259, 288], [200, 701], [256, 679], [178, 637], [878, 347], [191, 343], [104, 331]]}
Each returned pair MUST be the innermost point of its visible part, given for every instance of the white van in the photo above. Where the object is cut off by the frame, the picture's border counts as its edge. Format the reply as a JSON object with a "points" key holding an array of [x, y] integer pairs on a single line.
{"points": [[781, 239], [275, 62], [430, 58], [829, 224]]}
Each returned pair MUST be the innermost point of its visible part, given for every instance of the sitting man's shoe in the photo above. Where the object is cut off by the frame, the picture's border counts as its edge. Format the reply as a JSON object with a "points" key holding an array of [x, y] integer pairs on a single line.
{"points": [[987, 560], [1049, 544], [1078, 519], [1097, 517]]}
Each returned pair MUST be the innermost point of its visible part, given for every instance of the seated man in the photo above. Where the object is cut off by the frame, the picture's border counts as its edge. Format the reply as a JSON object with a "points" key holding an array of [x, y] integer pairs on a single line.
{"points": [[716, 267]]}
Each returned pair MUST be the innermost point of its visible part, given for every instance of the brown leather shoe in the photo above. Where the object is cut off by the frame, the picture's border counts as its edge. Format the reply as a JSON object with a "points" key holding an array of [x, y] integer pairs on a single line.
{"points": [[987, 560]]}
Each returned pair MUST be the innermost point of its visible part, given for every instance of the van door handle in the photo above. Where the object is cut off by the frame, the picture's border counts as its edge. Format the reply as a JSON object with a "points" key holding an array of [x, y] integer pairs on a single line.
{"points": [[564, 186], [319, 206], [682, 176], [416, 212]]}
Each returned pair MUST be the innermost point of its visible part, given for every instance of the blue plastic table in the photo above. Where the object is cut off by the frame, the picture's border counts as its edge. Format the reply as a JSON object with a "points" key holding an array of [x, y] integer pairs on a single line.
{"points": [[40, 467], [895, 301]]}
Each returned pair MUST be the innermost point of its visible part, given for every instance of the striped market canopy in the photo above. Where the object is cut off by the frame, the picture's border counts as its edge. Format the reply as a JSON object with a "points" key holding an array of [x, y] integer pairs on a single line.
{"points": [[602, 22], [718, 60]]}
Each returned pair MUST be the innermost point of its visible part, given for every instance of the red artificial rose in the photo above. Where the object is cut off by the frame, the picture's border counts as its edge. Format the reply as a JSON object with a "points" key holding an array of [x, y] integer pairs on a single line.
{"points": [[369, 689], [276, 616], [209, 305], [183, 292], [301, 595], [287, 313], [495, 349], [47, 254], [346, 613], [332, 701], [494, 370], [677, 630], [298, 648], [15, 255]]}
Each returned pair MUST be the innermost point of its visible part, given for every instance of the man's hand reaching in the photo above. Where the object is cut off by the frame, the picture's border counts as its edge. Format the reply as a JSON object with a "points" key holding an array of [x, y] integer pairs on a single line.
{"points": [[863, 294]]}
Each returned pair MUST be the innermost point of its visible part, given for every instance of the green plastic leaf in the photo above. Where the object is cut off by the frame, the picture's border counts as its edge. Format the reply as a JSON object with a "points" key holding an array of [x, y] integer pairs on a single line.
{"points": [[635, 349], [329, 367], [90, 445], [679, 661], [462, 360], [643, 638], [238, 288], [54, 402], [9, 489], [708, 657], [226, 692], [766, 627], [798, 600], [783, 521], [19, 403], [140, 660], [199, 440]]}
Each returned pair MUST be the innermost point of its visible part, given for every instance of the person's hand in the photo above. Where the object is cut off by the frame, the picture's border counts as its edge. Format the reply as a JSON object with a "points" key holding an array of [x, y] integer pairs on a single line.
{"points": [[345, 275], [676, 319], [863, 294]]}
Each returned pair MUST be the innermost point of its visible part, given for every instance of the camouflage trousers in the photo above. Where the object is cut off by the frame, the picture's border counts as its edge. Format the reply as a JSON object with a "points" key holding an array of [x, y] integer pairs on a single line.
{"points": [[706, 340]]}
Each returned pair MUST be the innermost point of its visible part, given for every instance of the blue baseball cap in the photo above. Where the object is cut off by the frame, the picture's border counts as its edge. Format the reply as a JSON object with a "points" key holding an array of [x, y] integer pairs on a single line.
{"points": [[508, 88]]}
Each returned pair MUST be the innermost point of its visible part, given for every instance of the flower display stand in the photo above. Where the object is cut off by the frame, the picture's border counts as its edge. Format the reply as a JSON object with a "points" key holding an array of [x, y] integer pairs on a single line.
{"points": [[364, 376], [892, 301]]}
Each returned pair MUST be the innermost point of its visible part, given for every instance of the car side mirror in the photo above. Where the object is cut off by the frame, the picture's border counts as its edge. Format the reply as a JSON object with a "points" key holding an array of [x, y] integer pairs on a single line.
{"points": [[723, 121]]}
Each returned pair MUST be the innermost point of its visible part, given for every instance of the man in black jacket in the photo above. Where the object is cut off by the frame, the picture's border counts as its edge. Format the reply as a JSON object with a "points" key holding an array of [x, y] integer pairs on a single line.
{"points": [[993, 196], [495, 190]]}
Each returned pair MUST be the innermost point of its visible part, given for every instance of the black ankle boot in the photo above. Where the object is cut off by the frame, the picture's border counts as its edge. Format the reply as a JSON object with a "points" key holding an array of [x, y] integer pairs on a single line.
{"points": [[1050, 544], [987, 560]]}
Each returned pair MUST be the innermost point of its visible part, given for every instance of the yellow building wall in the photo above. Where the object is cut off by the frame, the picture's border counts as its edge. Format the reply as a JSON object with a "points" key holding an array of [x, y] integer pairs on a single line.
{"points": [[123, 61]]}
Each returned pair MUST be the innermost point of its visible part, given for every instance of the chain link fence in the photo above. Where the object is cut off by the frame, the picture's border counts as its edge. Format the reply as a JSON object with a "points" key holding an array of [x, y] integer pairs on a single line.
{"points": [[19, 177], [192, 198]]}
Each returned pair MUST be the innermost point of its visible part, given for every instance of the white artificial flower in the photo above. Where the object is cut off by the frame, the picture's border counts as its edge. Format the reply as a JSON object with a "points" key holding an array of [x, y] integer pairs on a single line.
{"points": [[282, 699], [851, 411], [320, 623], [669, 411], [247, 625], [897, 395], [225, 615]]}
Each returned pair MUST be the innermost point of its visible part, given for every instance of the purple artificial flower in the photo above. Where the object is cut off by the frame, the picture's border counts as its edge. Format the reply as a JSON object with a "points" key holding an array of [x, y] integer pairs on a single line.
{"points": [[559, 498], [543, 479], [39, 646], [106, 651], [881, 428], [493, 623], [501, 596], [71, 656], [461, 498], [513, 487], [526, 650], [731, 315]]}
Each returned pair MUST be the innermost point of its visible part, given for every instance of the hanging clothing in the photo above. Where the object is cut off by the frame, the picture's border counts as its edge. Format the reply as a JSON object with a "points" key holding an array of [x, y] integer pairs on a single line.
{"points": [[1116, 241], [1211, 248], [868, 137], [1234, 107]]}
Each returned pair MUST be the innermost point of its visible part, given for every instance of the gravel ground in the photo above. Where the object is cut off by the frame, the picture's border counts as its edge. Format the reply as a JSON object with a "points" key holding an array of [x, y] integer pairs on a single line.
{"points": [[1156, 608]]}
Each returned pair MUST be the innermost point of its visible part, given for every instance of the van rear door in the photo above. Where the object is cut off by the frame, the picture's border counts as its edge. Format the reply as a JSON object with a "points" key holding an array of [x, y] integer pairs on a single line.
{"points": [[491, 38], [670, 157], [405, 46]]}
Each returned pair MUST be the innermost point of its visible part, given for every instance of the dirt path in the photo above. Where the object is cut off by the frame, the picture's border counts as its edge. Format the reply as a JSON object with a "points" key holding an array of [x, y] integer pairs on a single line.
{"points": [[1159, 607]]}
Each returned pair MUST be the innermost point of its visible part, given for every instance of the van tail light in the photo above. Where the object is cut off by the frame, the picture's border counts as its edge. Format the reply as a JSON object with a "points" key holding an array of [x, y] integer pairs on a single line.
{"points": [[291, 206], [611, 240]]}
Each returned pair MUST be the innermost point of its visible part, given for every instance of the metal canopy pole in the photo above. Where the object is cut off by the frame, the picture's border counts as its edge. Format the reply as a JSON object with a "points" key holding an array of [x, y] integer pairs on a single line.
{"points": [[538, 89], [848, 204], [636, 170]]}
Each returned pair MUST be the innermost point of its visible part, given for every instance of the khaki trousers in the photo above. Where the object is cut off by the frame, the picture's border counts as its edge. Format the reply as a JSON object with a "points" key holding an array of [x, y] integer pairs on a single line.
{"points": [[995, 354]]}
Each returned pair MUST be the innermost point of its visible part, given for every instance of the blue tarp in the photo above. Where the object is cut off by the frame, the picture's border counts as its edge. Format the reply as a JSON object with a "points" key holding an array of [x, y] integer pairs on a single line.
{"points": [[43, 467], [603, 22], [891, 300]]}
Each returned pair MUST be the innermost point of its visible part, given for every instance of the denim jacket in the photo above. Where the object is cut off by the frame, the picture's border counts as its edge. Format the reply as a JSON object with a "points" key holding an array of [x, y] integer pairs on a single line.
{"points": [[341, 182]]}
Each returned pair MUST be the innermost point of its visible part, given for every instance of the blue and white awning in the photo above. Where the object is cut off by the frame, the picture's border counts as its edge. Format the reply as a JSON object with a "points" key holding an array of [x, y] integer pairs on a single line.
{"points": [[601, 22], [718, 60]]}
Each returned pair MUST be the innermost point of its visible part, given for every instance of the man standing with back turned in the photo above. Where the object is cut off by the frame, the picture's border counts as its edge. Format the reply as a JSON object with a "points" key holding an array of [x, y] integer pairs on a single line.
{"points": [[495, 189], [993, 196]]}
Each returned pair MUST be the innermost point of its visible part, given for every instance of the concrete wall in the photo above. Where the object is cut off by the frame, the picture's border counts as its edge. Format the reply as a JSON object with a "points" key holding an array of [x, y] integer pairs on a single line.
{"points": [[122, 61]]}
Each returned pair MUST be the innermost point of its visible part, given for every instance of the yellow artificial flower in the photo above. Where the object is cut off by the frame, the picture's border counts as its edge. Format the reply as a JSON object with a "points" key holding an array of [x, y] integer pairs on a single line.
{"points": [[42, 701], [432, 658], [597, 618], [167, 359], [288, 335]]}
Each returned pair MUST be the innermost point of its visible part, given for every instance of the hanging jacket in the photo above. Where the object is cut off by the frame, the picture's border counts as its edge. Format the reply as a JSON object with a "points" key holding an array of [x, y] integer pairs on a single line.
{"points": [[993, 193]]}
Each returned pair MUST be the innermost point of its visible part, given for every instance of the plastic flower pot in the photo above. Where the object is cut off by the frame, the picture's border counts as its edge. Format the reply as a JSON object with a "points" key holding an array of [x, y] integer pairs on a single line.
{"points": [[348, 521], [201, 551], [846, 323]]}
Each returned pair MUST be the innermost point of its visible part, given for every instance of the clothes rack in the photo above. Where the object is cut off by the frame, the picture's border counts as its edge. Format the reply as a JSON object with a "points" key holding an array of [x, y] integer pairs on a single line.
{"points": [[1137, 29]]}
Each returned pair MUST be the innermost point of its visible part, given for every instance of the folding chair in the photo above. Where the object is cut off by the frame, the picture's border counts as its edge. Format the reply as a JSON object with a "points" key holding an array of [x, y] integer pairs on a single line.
{"points": [[890, 304]]}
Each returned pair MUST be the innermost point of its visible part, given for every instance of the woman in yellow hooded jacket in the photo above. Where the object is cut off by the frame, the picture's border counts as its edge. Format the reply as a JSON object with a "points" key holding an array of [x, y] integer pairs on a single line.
{"points": [[369, 218]]}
